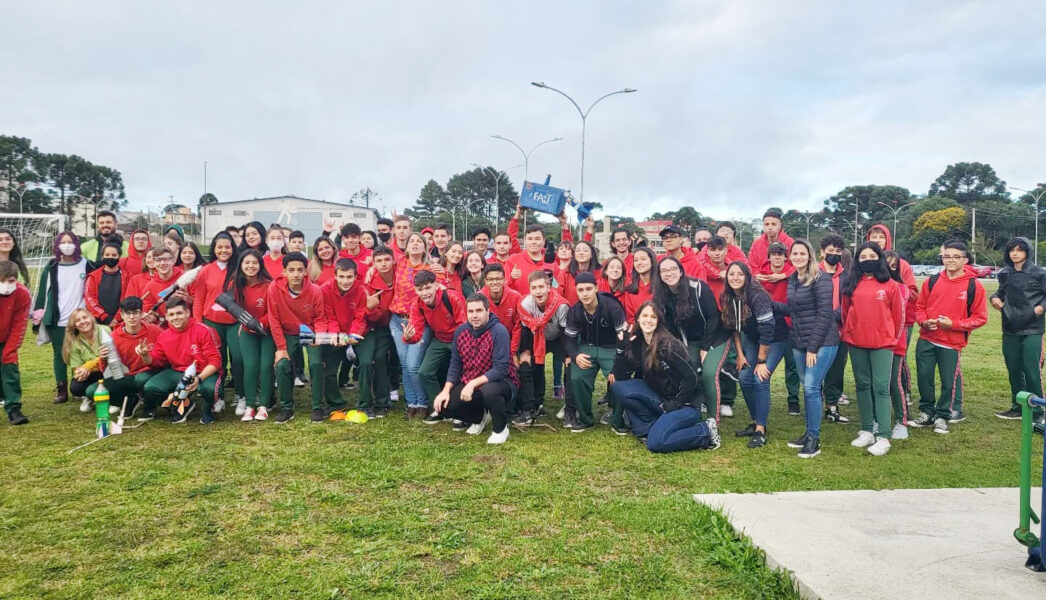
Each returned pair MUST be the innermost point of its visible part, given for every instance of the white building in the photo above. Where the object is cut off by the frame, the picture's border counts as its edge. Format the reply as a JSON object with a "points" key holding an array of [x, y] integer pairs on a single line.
{"points": [[289, 211]]}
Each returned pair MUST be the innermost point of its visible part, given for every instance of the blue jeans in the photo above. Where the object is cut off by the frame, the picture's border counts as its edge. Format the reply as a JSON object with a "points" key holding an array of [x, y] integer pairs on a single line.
{"points": [[757, 393], [410, 356], [812, 378], [676, 431]]}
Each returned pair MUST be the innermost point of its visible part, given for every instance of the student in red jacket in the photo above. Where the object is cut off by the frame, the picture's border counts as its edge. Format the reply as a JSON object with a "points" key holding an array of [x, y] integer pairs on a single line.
{"points": [[898, 396], [185, 342], [15, 300], [277, 245], [640, 288], [352, 248], [672, 240], [106, 286], [147, 287], [127, 335], [294, 301], [880, 234], [214, 279], [612, 279], [773, 232], [504, 302], [345, 299], [141, 241], [441, 311], [621, 247], [520, 266], [321, 267], [946, 314], [375, 343], [734, 253], [250, 290], [873, 315]]}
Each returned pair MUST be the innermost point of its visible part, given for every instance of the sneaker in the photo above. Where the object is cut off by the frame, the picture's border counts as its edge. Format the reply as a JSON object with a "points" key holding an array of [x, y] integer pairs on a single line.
{"points": [[241, 406], [285, 415], [370, 413], [758, 440], [1013, 414], [713, 432], [605, 419], [799, 443], [562, 412], [15, 417], [833, 415], [900, 432], [499, 437], [219, 405], [579, 428], [880, 447], [748, 431], [381, 413], [863, 439], [477, 428], [318, 415], [433, 418], [726, 411], [207, 418], [261, 414], [298, 382], [558, 392], [85, 405], [811, 448], [604, 400], [621, 430], [248, 414], [793, 409], [147, 415], [394, 395], [940, 426], [843, 399], [569, 420], [524, 418], [113, 409], [458, 425], [731, 372], [923, 420], [957, 416], [181, 418]]}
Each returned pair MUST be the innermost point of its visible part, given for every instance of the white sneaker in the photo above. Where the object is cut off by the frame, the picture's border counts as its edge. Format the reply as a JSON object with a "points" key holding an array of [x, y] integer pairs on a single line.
{"points": [[298, 382], [85, 405], [863, 440], [843, 399], [394, 395], [880, 447], [241, 406], [562, 413], [900, 432], [261, 414], [726, 411], [248, 414], [219, 404], [499, 437], [477, 428], [113, 409]]}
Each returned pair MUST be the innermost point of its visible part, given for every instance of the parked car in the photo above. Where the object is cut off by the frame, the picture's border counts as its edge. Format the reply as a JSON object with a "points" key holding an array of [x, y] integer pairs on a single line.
{"points": [[984, 272]]}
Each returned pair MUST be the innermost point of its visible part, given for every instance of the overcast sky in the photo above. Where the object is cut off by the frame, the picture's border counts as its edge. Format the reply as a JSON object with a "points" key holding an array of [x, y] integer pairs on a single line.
{"points": [[741, 104]]}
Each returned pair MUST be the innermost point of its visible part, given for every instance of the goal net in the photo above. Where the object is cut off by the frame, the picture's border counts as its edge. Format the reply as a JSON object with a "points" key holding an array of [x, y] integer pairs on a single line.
{"points": [[34, 235]]}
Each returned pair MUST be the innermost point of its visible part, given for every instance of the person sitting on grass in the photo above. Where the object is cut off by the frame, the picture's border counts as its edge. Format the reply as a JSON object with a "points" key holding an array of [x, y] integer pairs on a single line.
{"points": [[130, 332], [481, 378], [185, 342], [14, 318], [80, 350], [654, 381]]}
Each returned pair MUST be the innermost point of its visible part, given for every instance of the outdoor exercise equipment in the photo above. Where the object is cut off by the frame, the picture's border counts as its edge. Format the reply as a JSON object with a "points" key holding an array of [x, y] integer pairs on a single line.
{"points": [[1024, 535]]}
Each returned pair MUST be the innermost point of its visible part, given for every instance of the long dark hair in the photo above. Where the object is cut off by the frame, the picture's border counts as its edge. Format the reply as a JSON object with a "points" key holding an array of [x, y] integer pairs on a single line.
{"points": [[633, 286], [240, 280], [895, 273], [853, 276], [736, 309], [619, 286], [263, 246], [233, 260], [593, 263], [464, 272], [199, 261], [459, 269], [661, 340], [677, 297], [16, 255]]}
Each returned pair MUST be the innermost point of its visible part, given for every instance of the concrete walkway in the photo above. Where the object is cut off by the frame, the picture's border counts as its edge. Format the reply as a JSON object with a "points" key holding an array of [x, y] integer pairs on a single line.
{"points": [[946, 543]]}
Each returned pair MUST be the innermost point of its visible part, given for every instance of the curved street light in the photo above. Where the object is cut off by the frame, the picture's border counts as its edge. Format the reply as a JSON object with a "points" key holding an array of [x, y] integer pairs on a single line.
{"points": [[497, 185], [584, 122], [526, 155], [895, 210], [1042, 190]]}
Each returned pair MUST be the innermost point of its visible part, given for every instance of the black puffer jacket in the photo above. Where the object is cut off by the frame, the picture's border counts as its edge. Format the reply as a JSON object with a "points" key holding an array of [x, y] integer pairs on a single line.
{"points": [[810, 307], [1021, 291]]}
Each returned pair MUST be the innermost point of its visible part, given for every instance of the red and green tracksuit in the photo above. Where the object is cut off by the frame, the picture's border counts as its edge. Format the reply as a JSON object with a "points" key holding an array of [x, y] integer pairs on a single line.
{"points": [[442, 317], [372, 351], [14, 318], [257, 350], [209, 284], [137, 372], [173, 352]]}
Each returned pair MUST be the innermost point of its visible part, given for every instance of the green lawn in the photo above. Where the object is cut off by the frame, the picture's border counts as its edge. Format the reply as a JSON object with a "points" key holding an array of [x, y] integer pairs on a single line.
{"points": [[399, 509]]}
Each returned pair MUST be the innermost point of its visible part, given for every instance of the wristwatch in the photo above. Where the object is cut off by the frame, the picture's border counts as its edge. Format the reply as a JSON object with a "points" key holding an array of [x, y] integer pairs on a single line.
{"points": [[761, 361]]}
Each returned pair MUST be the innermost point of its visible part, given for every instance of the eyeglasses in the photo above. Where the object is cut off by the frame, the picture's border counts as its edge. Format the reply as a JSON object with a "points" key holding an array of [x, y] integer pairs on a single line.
{"points": [[953, 257], [669, 269]]}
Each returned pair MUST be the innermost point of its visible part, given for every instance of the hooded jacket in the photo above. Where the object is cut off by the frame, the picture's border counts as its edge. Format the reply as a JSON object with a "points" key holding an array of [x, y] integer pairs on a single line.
{"points": [[196, 344], [126, 343], [1021, 291], [347, 310], [907, 275], [675, 379], [14, 318], [482, 352], [94, 302], [438, 318], [287, 312], [762, 325], [133, 262], [758, 253], [703, 326], [873, 315], [948, 298]]}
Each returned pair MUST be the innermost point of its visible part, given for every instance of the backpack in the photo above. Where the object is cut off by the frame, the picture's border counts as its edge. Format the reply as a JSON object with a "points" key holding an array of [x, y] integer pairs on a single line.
{"points": [[971, 292]]}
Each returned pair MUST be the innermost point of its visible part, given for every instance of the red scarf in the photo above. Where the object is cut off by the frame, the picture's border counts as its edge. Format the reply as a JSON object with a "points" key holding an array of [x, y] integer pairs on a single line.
{"points": [[536, 325]]}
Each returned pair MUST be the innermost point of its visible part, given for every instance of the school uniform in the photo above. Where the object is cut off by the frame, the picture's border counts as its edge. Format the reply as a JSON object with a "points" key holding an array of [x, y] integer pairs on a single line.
{"points": [[257, 350], [442, 317], [173, 352], [374, 348], [14, 319], [209, 284]]}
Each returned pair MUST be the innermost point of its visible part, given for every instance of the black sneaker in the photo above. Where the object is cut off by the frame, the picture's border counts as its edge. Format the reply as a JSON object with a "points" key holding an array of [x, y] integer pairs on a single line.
{"points": [[793, 409], [833, 416], [433, 418], [622, 430], [132, 405], [731, 372], [181, 418], [541, 412], [604, 400], [285, 415], [747, 431], [579, 428], [524, 418], [799, 443], [758, 440], [457, 425], [923, 420], [957, 416], [370, 413], [147, 415], [1014, 414], [16, 417], [207, 418], [569, 420], [605, 419], [381, 412], [811, 448], [318, 415]]}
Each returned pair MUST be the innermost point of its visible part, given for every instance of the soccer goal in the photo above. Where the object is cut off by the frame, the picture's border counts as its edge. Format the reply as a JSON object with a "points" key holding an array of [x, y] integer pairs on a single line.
{"points": [[35, 236]]}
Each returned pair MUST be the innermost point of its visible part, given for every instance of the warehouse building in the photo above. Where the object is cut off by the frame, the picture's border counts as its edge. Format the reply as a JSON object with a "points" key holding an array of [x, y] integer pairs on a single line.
{"points": [[289, 211]]}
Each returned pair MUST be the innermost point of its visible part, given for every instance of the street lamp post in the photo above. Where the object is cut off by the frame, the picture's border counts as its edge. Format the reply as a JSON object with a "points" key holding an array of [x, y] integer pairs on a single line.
{"points": [[895, 210], [584, 122], [807, 216], [20, 190], [857, 218], [526, 155], [497, 188], [1042, 190]]}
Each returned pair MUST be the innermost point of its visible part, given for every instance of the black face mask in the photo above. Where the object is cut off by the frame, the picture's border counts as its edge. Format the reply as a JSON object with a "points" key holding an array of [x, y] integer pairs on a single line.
{"points": [[698, 246], [869, 266], [832, 259], [110, 262], [385, 237]]}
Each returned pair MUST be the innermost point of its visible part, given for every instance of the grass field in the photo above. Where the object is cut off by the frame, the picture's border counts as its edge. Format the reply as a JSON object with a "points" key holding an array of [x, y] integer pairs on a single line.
{"points": [[400, 509]]}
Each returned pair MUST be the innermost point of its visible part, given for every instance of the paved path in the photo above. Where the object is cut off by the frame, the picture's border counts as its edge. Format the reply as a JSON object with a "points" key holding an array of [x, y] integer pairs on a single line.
{"points": [[946, 543]]}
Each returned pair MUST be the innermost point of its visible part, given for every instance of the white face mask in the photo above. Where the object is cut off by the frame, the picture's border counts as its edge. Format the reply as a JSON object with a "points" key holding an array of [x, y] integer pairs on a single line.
{"points": [[276, 245], [67, 249], [6, 289]]}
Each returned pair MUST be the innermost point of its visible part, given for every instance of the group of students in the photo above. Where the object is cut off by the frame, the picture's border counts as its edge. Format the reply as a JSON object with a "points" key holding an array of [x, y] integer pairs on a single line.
{"points": [[468, 331]]}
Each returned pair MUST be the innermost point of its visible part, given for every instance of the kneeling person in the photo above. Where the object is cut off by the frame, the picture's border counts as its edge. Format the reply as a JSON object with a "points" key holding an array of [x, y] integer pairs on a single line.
{"points": [[481, 378]]}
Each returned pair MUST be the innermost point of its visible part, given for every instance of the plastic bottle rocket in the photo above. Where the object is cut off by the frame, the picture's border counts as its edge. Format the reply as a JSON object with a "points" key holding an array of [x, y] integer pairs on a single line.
{"points": [[308, 337], [179, 397], [101, 409], [114, 367]]}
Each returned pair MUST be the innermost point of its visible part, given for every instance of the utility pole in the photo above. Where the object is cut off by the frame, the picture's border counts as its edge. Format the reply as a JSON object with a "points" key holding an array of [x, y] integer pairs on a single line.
{"points": [[857, 219], [808, 216], [973, 233]]}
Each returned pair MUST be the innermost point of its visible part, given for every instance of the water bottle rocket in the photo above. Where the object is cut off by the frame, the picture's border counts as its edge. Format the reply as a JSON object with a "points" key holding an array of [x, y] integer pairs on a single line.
{"points": [[101, 410]]}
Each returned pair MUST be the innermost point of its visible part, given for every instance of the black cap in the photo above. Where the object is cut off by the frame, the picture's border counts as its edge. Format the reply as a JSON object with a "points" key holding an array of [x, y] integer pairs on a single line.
{"points": [[670, 229], [585, 277]]}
